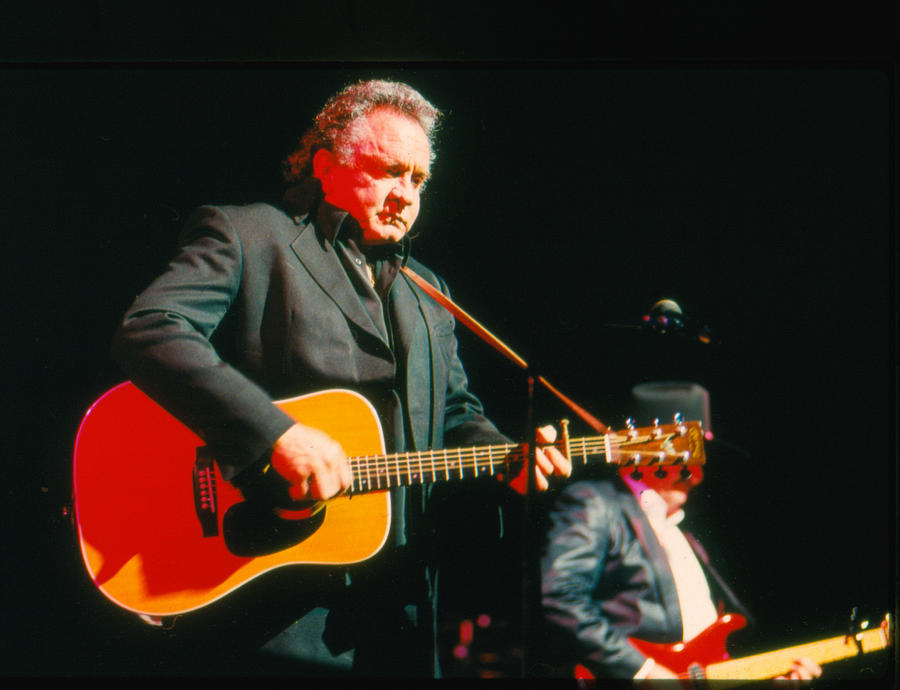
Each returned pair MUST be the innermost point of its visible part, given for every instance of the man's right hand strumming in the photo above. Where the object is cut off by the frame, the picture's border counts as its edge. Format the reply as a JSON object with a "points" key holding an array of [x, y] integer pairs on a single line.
{"points": [[312, 462]]}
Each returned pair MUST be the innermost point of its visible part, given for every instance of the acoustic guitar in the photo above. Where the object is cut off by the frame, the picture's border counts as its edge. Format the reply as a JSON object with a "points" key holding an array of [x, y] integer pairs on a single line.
{"points": [[161, 533]]}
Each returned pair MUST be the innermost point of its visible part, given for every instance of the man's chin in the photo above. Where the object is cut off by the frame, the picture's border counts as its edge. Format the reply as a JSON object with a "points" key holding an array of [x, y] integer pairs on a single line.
{"points": [[382, 233]]}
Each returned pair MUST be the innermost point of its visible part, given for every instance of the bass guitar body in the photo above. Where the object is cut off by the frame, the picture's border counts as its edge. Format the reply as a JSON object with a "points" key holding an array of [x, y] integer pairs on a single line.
{"points": [[161, 532], [679, 657], [705, 649]]}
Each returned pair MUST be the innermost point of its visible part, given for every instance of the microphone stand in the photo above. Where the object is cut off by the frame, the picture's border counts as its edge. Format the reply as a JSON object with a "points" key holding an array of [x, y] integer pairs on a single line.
{"points": [[529, 564], [531, 571]]}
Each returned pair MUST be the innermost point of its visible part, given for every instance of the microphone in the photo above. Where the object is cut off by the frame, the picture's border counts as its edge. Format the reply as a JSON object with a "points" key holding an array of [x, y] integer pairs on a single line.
{"points": [[666, 317]]}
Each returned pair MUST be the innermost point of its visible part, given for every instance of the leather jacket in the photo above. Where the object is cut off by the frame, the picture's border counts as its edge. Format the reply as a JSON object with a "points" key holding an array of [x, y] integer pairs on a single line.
{"points": [[605, 578]]}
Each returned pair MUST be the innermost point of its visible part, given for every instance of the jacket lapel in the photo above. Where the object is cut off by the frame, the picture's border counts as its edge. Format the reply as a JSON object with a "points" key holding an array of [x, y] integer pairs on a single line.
{"points": [[412, 330], [325, 267], [658, 559]]}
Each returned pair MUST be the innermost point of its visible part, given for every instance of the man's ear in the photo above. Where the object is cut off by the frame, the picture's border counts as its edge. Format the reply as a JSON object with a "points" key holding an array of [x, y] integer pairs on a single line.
{"points": [[323, 161]]}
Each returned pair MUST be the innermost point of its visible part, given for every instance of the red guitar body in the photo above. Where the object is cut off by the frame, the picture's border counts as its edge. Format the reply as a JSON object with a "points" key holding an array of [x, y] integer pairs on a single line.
{"points": [[706, 648]]}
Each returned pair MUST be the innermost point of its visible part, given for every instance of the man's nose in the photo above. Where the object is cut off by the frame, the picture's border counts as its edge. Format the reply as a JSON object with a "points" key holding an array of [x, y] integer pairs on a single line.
{"points": [[404, 191]]}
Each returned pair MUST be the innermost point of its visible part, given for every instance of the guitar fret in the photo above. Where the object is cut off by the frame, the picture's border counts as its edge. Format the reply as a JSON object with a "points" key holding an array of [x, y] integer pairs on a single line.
{"points": [[446, 466], [491, 459], [408, 470], [397, 468], [459, 455], [421, 473]]}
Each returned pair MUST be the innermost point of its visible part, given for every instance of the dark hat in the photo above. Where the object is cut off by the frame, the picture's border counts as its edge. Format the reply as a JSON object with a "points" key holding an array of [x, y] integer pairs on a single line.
{"points": [[664, 399]]}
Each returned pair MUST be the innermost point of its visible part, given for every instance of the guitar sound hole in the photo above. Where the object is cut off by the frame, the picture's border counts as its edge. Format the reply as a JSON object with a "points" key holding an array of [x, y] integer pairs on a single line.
{"points": [[251, 530]]}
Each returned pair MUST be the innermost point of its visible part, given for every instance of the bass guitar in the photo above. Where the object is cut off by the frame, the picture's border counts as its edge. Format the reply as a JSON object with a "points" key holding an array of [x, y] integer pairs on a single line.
{"points": [[161, 533], [705, 658]]}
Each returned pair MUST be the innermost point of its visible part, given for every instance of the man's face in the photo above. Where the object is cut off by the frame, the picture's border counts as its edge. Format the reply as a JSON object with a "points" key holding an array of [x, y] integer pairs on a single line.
{"points": [[380, 181]]}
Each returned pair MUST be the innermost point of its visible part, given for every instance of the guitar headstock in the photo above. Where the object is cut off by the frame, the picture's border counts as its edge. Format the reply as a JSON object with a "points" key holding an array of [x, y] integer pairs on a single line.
{"points": [[679, 443]]}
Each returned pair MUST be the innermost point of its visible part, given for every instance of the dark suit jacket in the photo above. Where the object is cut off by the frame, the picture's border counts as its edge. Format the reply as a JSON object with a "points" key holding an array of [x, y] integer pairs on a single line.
{"points": [[256, 305], [605, 577]]}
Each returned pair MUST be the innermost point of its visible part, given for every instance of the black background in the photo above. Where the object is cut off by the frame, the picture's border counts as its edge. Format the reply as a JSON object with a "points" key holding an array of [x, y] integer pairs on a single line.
{"points": [[581, 175]]}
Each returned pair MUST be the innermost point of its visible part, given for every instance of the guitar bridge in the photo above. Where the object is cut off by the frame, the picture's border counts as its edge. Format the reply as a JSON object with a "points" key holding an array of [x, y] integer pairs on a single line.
{"points": [[205, 498]]}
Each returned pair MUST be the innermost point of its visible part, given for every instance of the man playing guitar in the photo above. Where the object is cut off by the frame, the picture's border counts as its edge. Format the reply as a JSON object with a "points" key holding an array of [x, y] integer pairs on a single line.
{"points": [[616, 569]]}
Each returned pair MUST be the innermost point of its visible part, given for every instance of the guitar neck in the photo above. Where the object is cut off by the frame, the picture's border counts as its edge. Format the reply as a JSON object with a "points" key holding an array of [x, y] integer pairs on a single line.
{"points": [[379, 472], [776, 663]]}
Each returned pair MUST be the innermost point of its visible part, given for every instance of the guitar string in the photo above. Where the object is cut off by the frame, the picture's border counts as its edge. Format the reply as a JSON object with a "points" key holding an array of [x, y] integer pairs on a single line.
{"points": [[470, 458], [450, 456], [476, 460], [390, 468]]}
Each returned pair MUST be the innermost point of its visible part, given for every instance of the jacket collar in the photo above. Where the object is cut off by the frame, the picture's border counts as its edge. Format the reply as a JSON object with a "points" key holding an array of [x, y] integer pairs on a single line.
{"points": [[318, 256], [304, 201]]}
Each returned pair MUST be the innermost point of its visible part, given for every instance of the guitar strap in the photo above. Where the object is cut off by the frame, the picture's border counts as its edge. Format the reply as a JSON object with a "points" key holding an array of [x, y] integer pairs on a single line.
{"points": [[464, 318]]}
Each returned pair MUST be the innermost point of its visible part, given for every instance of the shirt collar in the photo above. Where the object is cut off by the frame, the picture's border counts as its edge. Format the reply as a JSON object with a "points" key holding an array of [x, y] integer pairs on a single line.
{"points": [[332, 220], [337, 224]]}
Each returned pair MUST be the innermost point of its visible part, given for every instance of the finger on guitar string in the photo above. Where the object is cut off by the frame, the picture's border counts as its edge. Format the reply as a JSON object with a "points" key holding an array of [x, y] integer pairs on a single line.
{"points": [[559, 464]]}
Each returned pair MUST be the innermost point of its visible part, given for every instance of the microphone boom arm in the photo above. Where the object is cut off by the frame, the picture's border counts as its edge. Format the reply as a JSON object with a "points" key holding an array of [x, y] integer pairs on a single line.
{"points": [[463, 317]]}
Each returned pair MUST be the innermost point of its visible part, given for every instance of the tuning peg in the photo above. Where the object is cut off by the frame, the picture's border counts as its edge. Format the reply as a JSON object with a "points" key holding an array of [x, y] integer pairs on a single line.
{"points": [[679, 424], [685, 473], [632, 431], [657, 430], [636, 461], [856, 627], [661, 473]]}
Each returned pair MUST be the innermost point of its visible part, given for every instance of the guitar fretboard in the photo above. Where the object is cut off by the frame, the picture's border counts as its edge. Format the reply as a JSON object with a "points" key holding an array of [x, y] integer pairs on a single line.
{"points": [[771, 664], [379, 472]]}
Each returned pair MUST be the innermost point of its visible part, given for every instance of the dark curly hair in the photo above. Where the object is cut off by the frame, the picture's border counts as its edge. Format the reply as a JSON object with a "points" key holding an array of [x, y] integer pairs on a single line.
{"points": [[348, 105]]}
